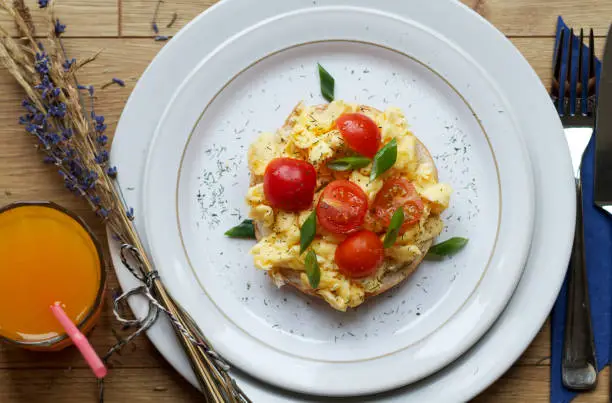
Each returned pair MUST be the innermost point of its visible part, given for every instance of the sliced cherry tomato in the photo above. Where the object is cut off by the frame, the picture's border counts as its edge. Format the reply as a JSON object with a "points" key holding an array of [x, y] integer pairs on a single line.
{"points": [[289, 184], [360, 133], [342, 207], [360, 254], [398, 192]]}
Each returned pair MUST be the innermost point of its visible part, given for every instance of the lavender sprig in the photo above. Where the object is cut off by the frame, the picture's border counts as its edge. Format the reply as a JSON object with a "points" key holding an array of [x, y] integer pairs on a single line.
{"points": [[172, 20], [73, 138], [116, 81], [53, 114], [154, 26]]}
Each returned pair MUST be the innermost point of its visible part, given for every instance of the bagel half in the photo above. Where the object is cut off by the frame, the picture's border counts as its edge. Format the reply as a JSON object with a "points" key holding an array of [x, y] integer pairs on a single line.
{"points": [[393, 274]]}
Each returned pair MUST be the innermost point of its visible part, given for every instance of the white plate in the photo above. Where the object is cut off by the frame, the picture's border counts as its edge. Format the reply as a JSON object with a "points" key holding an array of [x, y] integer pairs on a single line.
{"points": [[487, 360], [196, 181]]}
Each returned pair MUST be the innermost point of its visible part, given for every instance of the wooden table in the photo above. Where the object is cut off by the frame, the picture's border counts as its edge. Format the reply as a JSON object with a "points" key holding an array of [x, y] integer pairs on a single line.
{"points": [[123, 29]]}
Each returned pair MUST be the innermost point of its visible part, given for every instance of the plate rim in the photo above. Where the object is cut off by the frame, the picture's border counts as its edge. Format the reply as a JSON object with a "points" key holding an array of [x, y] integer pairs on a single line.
{"points": [[147, 78]]}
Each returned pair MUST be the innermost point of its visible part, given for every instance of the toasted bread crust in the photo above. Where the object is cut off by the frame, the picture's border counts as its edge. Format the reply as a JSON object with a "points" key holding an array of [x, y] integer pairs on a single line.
{"points": [[391, 278]]}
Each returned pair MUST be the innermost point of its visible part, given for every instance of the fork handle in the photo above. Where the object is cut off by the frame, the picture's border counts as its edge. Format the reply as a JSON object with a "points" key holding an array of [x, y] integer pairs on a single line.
{"points": [[579, 366]]}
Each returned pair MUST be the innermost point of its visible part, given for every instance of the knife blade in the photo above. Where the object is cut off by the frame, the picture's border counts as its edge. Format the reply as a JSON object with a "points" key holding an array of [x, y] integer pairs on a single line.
{"points": [[603, 130]]}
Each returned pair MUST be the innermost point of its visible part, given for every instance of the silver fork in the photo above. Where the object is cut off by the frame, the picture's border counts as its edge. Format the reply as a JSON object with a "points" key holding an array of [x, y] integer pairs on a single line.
{"points": [[574, 98]]}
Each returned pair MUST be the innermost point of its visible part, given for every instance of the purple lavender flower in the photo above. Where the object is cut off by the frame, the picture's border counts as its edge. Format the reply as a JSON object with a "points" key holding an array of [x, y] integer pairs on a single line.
{"points": [[32, 128], [155, 28], [59, 27], [45, 86], [119, 82], [39, 119], [91, 90], [101, 157], [112, 172], [41, 64], [130, 214], [58, 110], [76, 168], [102, 140], [89, 180], [99, 120], [67, 133], [49, 160], [43, 3], [82, 87], [68, 182], [29, 106], [102, 212], [43, 141], [67, 65], [54, 138], [25, 119], [95, 200], [69, 152]]}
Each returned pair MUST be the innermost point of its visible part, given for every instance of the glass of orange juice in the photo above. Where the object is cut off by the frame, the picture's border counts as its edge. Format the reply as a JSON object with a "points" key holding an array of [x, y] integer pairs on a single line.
{"points": [[47, 255]]}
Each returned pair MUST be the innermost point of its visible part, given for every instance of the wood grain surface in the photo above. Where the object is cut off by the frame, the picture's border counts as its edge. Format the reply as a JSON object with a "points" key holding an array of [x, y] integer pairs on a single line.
{"points": [[123, 29]]}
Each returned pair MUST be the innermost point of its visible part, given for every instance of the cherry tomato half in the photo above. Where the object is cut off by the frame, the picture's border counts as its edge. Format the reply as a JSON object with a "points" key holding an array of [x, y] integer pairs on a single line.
{"points": [[289, 184], [360, 254], [398, 192], [342, 207], [360, 133]]}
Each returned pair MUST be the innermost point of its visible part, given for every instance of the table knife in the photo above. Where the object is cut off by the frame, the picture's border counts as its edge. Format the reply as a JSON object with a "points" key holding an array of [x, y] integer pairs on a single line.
{"points": [[603, 137], [603, 141]]}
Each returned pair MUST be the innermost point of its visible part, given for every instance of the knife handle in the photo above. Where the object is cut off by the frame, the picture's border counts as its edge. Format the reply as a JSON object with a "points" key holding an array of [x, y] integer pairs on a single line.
{"points": [[579, 366]]}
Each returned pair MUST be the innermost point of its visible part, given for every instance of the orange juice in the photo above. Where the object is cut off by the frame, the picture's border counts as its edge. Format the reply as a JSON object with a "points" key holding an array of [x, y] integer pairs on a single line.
{"points": [[46, 255]]}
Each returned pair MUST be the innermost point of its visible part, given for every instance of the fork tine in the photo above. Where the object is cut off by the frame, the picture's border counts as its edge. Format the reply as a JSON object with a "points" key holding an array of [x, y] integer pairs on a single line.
{"points": [[557, 57], [592, 81], [585, 66], [567, 77], [582, 83], [591, 54], [574, 71], [564, 53]]}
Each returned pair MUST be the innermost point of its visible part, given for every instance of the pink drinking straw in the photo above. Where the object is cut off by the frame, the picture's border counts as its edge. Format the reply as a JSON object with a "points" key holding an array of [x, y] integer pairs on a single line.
{"points": [[80, 341]]}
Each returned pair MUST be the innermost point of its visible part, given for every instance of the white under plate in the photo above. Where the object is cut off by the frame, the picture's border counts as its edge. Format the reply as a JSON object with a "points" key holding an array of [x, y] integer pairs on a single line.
{"points": [[197, 180], [539, 126]]}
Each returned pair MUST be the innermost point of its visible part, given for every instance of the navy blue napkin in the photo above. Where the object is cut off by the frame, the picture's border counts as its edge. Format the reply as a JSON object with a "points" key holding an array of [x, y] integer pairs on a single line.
{"points": [[598, 250]]}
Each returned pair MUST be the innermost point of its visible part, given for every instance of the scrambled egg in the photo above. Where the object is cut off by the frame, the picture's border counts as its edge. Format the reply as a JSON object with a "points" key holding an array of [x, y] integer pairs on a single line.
{"points": [[310, 134]]}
